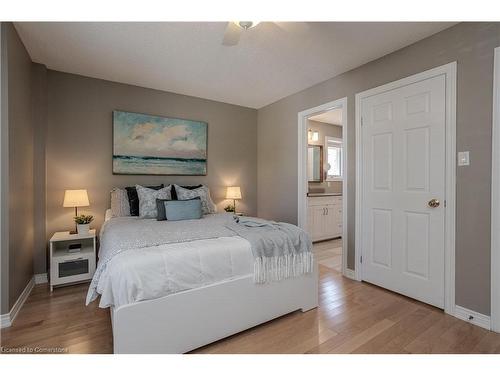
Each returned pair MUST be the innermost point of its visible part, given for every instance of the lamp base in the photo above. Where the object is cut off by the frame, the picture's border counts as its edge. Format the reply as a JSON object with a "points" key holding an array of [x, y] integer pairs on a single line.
{"points": [[75, 231]]}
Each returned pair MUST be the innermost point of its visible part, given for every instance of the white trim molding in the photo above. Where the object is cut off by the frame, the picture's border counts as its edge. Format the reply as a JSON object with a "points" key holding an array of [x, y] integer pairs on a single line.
{"points": [[41, 278], [472, 317], [450, 72], [349, 273], [6, 320], [302, 171], [495, 198]]}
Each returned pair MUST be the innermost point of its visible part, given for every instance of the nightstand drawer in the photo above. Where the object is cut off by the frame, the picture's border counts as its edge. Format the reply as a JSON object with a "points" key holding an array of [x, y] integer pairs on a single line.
{"points": [[72, 268]]}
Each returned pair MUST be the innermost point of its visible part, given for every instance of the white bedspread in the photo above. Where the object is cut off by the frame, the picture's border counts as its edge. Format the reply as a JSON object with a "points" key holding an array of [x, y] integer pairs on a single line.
{"points": [[157, 271]]}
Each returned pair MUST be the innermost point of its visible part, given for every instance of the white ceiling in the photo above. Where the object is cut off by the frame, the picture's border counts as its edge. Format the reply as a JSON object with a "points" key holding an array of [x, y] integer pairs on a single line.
{"points": [[269, 63], [333, 116]]}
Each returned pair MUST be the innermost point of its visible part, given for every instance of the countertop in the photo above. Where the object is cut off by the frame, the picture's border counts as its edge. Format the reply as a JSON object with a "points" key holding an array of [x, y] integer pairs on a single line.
{"points": [[324, 194]]}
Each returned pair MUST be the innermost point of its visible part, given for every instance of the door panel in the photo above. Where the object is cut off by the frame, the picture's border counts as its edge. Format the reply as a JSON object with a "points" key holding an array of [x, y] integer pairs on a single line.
{"points": [[403, 159], [382, 238], [416, 171], [417, 244], [382, 161]]}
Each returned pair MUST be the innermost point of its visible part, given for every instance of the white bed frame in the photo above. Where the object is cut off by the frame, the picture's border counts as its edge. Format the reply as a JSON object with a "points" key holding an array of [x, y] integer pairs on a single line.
{"points": [[184, 321]]}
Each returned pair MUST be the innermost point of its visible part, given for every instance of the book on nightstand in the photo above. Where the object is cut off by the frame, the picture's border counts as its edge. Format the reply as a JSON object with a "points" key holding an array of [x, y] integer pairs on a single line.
{"points": [[74, 248]]}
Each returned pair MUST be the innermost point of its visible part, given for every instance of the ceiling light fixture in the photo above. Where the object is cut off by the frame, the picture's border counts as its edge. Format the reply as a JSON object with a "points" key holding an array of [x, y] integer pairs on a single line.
{"points": [[245, 25]]}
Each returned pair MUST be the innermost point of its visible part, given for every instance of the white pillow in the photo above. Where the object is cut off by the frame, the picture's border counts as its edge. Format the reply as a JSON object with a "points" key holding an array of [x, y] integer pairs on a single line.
{"points": [[207, 205], [147, 200], [119, 202]]}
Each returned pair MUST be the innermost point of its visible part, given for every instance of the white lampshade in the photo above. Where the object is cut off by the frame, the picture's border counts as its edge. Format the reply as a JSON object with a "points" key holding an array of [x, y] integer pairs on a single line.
{"points": [[233, 192], [76, 198]]}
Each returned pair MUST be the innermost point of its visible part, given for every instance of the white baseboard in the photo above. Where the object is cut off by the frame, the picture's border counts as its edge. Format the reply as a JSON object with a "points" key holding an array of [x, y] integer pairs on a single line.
{"points": [[41, 278], [7, 319], [350, 274], [473, 317]]}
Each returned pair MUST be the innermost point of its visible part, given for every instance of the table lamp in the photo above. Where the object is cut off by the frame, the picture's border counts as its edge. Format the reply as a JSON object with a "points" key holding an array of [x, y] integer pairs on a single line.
{"points": [[76, 198], [234, 193]]}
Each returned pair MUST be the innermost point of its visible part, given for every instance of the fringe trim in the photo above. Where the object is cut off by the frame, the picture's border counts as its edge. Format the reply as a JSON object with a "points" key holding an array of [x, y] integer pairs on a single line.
{"points": [[282, 267]]}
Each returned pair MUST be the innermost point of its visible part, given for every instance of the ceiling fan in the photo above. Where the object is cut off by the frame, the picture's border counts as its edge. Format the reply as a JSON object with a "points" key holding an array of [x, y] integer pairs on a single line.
{"points": [[234, 29]]}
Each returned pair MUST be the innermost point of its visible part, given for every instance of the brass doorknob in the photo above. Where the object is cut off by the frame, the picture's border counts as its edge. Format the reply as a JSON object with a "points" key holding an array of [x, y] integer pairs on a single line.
{"points": [[433, 203]]}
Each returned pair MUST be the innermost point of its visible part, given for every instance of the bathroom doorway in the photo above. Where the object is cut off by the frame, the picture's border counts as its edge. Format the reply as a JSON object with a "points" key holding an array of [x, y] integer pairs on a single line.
{"points": [[322, 199]]}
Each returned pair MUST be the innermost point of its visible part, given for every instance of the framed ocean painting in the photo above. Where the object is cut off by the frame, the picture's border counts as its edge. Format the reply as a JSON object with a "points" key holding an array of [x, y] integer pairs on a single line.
{"points": [[155, 145]]}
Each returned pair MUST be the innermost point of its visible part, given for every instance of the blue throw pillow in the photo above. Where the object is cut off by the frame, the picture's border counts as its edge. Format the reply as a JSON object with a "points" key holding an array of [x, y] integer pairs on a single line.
{"points": [[183, 210]]}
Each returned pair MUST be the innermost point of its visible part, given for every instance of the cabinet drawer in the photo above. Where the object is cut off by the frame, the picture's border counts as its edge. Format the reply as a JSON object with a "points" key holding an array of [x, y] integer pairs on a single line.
{"points": [[71, 269], [322, 201]]}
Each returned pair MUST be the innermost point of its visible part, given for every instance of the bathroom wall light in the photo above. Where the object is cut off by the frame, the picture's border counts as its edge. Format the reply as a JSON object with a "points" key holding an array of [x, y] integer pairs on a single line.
{"points": [[313, 135]]}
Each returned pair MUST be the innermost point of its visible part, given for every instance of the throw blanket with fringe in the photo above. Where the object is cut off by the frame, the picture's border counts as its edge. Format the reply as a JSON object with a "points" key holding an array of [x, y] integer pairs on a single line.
{"points": [[280, 250]]}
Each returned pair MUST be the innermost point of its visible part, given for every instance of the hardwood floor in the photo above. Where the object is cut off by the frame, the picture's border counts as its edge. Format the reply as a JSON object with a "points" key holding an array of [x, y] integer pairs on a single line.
{"points": [[353, 317], [329, 254]]}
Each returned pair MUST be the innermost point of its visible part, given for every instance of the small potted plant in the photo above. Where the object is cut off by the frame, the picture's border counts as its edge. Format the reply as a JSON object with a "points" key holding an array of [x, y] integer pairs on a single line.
{"points": [[83, 223], [229, 208]]}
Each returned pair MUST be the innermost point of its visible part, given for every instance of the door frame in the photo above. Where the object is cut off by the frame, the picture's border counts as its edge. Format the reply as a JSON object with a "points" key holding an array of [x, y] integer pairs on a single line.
{"points": [[302, 182], [495, 198], [450, 73]]}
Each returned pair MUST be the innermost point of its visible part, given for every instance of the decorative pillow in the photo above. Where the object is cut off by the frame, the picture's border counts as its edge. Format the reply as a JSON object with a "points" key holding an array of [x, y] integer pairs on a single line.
{"points": [[207, 205], [133, 198], [147, 200], [183, 210], [119, 202], [160, 209], [174, 193]]}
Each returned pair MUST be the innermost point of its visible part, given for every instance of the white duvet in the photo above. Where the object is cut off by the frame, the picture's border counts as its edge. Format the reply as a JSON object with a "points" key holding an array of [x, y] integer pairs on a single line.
{"points": [[152, 272]]}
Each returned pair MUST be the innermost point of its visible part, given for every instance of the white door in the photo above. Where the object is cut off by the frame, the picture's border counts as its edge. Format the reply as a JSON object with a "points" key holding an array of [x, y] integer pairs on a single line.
{"points": [[403, 171]]}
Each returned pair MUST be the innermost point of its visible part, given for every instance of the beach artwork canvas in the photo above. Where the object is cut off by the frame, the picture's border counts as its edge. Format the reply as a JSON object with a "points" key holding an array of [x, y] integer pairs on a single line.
{"points": [[154, 145]]}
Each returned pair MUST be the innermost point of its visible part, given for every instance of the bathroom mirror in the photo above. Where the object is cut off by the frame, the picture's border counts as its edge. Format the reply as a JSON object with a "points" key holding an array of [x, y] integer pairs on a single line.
{"points": [[315, 163]]}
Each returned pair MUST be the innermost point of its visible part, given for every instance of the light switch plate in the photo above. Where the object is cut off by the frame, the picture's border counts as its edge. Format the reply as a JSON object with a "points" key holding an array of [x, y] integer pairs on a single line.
{"points": [[463, 158]]}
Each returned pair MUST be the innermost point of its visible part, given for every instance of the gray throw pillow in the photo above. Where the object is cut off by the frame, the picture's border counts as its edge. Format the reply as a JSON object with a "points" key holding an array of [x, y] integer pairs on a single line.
{"points": [[119, 202], [147, 200], [160, 209], [207, 205]]}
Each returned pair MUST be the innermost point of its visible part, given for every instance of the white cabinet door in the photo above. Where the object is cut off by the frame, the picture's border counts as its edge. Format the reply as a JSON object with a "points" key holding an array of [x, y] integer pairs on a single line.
{"points": [[403, 169], [331, 221], [334, 218], [324, 217], [318, 222]]}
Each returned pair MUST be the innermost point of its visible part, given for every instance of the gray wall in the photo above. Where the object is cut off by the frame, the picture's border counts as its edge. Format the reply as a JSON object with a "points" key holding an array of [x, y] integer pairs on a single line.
{"points": [[325, 130], [79, 143], [4, 173], [471, 45], [21, 191], [39, 119]]}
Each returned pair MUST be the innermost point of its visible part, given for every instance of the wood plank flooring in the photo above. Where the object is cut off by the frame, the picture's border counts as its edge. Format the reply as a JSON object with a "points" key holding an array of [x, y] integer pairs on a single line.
{"points": [[329, 254], [353, 317]]}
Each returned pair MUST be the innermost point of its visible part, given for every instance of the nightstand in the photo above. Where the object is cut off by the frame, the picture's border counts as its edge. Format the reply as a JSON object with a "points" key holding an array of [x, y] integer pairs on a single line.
{"points": [[72, 257]]}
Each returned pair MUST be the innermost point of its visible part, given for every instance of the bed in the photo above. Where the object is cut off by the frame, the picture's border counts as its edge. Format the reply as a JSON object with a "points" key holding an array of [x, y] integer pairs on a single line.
{"points": [[176, 297]]}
